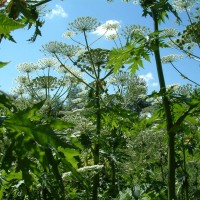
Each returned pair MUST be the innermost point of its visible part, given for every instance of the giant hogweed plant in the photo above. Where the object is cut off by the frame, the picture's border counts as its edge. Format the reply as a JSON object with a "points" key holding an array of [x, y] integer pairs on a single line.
{"points": [[92, 63], [84, 60]]}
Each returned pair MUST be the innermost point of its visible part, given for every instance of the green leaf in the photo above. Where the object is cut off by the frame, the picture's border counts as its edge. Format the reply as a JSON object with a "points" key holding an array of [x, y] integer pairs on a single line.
{"points": [[7, 24], [70, 155], [2, 64], [75, 173], [59, 124], [131, 55], [54, 164]]}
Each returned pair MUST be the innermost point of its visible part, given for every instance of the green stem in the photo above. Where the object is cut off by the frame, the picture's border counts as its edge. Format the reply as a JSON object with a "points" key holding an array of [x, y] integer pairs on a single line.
{"points": [[98, 130], [99, 38], [185, 183], [196, 37], [185, 77], [32, 89], [169, 119], [91, 59], [82, 68], [48, 84], [191, 55]]}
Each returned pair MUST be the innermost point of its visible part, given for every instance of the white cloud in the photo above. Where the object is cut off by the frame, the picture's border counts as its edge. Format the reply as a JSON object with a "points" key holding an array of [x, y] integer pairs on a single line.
{"points": [[108, 28], [57, 11], [148, 78]]}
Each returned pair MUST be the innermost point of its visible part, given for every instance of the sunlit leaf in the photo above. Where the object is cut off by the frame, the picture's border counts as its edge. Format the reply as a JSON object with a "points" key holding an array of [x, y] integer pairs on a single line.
{"points": [[7, 24]]}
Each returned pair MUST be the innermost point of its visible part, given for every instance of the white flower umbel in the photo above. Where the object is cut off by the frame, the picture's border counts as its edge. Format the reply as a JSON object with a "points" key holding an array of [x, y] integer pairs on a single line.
{"points": [[18, 91], [69, 71], [70, 50], [27, 67], [170, 32], [53, 47], [84, 24], [47, 63], [183, 5], [84, 169], [22, 80], [174, 86], [111, 25], [112, 37], [171, 58], [134, 30]]}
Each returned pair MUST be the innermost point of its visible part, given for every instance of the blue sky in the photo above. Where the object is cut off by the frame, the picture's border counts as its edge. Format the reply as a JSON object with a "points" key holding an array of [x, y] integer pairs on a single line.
{"points": [[56, 23]]}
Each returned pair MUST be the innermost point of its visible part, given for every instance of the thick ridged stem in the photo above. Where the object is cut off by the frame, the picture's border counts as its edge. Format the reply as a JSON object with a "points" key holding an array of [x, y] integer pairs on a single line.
{"points": [[169, 118], [97, 145]]}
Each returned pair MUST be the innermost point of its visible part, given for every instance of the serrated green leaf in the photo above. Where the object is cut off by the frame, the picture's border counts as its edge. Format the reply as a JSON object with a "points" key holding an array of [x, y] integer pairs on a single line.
{"points": [[7, 24]]}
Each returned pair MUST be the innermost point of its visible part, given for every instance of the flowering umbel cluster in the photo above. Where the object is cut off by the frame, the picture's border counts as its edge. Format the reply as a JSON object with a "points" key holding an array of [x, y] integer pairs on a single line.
{"points": [[99, 57], [84, 24], [182, 5], [171, 58], [27, 67], [134, 30], [62, 49], [47, 63]]}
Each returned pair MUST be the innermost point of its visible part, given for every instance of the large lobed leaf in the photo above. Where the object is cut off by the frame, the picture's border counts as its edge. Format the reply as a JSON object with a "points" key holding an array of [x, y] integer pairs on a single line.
{"points": [[130, 55], [7, 24]]}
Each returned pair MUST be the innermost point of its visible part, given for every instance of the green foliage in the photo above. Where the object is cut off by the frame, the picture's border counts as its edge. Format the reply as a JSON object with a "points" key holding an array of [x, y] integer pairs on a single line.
{"points": [[32, 144], [18, 14], [7, 24], [160, 7], [130, 55]]}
